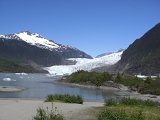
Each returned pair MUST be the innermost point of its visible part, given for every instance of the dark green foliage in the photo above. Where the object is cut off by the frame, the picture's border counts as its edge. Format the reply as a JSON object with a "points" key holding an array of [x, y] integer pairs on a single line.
{"points": [[119, 78], [151, 87], [65, 98], [9, 66], [89, 77], [148, 80], [158, 78], [147, 86], [120, 115], [43, 114], [129, 80]]}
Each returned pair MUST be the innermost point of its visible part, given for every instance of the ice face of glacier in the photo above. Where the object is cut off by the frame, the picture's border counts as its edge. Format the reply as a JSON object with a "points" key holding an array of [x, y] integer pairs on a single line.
{"points": [[85, 64]]}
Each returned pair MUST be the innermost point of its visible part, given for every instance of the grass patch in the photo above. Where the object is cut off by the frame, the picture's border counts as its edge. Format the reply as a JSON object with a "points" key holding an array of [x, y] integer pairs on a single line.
{"points": [[64, 98], [133, 101], [121, 114], [130, 109]]}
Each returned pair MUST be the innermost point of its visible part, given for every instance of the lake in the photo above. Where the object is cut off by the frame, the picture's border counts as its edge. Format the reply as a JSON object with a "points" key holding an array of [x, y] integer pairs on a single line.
{"points": [[38, 86]]}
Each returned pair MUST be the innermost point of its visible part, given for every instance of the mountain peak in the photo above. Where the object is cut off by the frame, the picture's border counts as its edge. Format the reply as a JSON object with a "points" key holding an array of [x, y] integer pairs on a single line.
{"points": [[120, 50], [109, 53], [30, 33], [158, 24], [27, 32], [36, 39]]}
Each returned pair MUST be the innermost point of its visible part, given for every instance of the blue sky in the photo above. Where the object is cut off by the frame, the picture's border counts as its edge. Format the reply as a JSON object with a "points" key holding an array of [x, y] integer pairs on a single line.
{"points": [[94, 26]]}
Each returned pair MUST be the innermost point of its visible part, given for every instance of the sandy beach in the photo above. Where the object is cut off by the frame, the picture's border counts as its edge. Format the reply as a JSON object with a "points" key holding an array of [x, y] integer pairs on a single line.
{"points": [[25, 109], [18, 109]]}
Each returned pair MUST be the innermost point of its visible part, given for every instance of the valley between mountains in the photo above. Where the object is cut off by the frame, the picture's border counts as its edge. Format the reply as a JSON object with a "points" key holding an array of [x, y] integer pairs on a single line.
{"points": [[31, 53]]}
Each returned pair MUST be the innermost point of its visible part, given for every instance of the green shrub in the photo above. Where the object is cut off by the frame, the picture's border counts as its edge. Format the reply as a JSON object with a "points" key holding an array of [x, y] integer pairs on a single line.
{"points": [[65, 98], [110, 102], [148, 80], [118, 78], [43, 114]]}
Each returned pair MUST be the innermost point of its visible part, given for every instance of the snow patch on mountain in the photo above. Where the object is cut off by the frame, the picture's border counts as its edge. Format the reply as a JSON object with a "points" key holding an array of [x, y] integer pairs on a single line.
{"points": [[85, 64], [108, 53], [36, 39], [2, 36]]}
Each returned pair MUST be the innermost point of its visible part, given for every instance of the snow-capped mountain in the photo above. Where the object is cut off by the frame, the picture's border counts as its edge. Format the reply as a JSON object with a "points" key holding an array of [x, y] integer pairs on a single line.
{"points": [[37, 40], [30, 50], [85, 64], [33, 39]]}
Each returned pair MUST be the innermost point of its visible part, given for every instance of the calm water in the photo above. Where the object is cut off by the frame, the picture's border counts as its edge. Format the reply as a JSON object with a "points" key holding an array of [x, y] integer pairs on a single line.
{"points": [[39, 86]]}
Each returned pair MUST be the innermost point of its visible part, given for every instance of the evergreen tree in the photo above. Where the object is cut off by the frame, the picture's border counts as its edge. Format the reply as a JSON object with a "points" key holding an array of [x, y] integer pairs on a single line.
{"points": [[148, 80], [118, 78]]}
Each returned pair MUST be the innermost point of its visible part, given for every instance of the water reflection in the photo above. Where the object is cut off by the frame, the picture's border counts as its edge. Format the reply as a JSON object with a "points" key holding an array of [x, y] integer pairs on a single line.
{"points": [[39, 86]]}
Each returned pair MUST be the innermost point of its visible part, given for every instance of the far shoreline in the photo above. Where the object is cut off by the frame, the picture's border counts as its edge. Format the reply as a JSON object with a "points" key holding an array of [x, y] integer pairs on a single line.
{"points": [[123, 91], [85, 86]]}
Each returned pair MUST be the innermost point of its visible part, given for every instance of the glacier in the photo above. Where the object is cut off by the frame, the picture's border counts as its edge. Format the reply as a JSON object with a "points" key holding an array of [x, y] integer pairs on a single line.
{"points": [[85, 64]]}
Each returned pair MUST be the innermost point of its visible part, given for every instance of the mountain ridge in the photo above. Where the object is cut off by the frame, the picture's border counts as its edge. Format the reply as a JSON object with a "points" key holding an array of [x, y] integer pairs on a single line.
{"points": [[108, 53], [41, 42], [31, 49], [142, 56]]}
